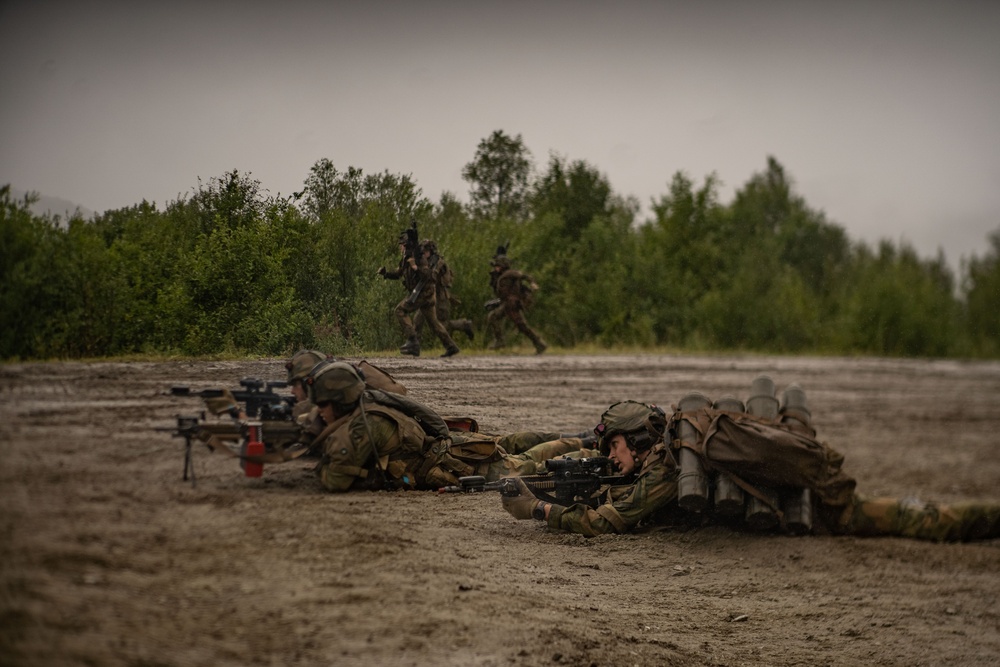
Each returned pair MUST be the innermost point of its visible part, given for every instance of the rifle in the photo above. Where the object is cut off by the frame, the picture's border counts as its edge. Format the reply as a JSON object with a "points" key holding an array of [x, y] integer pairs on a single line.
{"points": [[259, 396], [413, 250], [569, 481], [187, 428], [275, 435]]}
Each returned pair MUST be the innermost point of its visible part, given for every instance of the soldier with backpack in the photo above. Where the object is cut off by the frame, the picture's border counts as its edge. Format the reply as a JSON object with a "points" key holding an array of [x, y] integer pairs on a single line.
{"points": [[377, 440], [418, 279], [443, 278], [771, 460], [514, 292]]}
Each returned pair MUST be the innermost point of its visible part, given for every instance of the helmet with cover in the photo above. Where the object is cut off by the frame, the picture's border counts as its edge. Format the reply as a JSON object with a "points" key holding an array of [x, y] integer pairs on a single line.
{"points": [[338, 383], [641, 424], [500, 263], [302, 363]]}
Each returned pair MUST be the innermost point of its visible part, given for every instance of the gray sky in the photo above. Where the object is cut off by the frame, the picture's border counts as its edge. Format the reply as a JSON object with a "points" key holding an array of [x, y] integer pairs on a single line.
{"points": [[885, 114]]}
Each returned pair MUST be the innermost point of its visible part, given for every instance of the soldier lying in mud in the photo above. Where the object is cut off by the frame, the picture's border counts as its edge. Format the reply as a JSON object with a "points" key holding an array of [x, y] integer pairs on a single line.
{"points": [[774, 461], [370, 435]]}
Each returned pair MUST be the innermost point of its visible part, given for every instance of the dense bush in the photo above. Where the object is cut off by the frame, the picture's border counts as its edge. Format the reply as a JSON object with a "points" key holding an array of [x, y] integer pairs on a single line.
{"points": [[231, 270]]}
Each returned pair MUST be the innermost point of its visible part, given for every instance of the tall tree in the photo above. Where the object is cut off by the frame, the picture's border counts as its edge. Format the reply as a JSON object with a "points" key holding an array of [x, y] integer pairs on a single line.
{"points": [[576, 191], [982, 291], [499, 177]]}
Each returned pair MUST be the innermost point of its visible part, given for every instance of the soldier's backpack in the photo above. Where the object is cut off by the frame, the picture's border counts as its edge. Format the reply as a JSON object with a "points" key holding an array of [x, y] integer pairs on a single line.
{"points": [[377, 378], [758, 452]]}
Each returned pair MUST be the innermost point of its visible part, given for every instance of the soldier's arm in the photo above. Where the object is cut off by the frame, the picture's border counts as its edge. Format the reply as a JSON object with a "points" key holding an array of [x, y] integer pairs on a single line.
{"points": [[348, 454], [629, 505], [395, 274]]}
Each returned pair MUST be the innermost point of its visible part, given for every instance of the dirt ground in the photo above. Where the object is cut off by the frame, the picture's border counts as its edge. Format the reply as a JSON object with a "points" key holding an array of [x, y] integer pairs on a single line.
{"points": [[108, 558]]}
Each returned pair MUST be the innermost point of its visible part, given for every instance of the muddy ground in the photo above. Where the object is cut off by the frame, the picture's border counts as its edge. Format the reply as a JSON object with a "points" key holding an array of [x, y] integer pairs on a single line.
{"points": [[108, 558]]}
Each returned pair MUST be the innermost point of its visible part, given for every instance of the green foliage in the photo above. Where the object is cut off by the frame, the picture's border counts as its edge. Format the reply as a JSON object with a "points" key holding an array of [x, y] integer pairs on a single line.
{"points": [[982, 296], [499, 177], [901, 305], [232, 270], [576, 192]]}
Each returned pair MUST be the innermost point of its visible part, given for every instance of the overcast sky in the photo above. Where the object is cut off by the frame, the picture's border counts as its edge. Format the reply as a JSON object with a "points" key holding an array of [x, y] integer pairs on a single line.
{"points": [[885, 114]]}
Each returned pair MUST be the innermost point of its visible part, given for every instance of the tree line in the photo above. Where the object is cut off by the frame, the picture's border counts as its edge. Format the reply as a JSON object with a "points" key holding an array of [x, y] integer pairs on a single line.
{"points": [[230, 269]]}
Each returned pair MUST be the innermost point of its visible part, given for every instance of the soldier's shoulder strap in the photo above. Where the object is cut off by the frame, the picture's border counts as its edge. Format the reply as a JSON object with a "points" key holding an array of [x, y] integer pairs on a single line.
{"points": [[431, 422]]}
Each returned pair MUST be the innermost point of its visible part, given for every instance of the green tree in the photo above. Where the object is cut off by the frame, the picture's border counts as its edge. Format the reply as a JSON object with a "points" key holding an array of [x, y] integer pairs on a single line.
{"points": [[900, 305], [499, 177], [575, 191], [981, 288]]}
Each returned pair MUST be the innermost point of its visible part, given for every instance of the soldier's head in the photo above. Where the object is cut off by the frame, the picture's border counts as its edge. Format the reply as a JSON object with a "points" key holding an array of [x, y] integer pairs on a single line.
{"points": [[499, 264], [628, 430], [299, 367], [336, 388], [428, 248]]}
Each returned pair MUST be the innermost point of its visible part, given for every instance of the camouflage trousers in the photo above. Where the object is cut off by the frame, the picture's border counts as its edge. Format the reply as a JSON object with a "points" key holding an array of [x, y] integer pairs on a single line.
{"points": [[512, 309], [531, 461], [923, 521], [428, 315], [525, 452]]}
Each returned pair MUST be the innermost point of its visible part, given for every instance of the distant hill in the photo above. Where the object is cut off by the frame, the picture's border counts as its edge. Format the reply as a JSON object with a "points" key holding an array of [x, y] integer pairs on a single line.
{"points": [[52, 206]]}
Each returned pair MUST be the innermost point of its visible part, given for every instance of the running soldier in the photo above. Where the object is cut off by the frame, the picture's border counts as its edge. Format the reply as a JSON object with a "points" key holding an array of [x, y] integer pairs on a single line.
{"points": [[443, 278], [514, 293], [416, 275]]}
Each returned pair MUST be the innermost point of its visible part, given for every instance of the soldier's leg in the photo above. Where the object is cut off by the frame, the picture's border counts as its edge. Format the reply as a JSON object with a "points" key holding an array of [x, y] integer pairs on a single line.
{"points": [[412, 344], [444, 317], [450, 347], [532, 461], [516, 315], [522, 441], [418, 324], [923, 521], [494, 323]]}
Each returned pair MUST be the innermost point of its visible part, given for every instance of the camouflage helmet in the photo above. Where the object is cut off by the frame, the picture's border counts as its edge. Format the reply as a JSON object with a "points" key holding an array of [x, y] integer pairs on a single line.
{"points": [[500, 263], [427, 245], [302, 362], [641, 424], [337, 382]]}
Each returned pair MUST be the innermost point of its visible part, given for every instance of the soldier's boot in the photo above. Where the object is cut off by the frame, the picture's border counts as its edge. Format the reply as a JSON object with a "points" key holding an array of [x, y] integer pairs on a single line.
{"points": [[451, 351], [540, 345], [466, 328], [411, 347]]}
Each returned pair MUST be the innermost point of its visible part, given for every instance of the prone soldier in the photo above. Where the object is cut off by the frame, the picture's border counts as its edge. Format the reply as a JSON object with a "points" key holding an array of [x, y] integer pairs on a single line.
{"points": [[376, 440], [636, 437]]}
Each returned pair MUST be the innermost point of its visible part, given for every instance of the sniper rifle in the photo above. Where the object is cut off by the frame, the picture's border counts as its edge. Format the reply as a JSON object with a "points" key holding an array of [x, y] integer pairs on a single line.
{"points": [[259, 396], [274, 435]]}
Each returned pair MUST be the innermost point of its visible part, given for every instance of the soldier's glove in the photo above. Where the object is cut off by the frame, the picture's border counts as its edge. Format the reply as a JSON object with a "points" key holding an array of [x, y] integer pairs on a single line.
{"points": [[522, 505], [224, 404]]}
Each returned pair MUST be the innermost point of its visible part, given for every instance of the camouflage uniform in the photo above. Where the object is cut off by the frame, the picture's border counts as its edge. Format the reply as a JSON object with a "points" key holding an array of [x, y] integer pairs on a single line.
{"points": [[652, 498], [425, 302], [909, 517], [305, 413], [624, 507], [423, 454], [443, 280], [514, 291]]}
